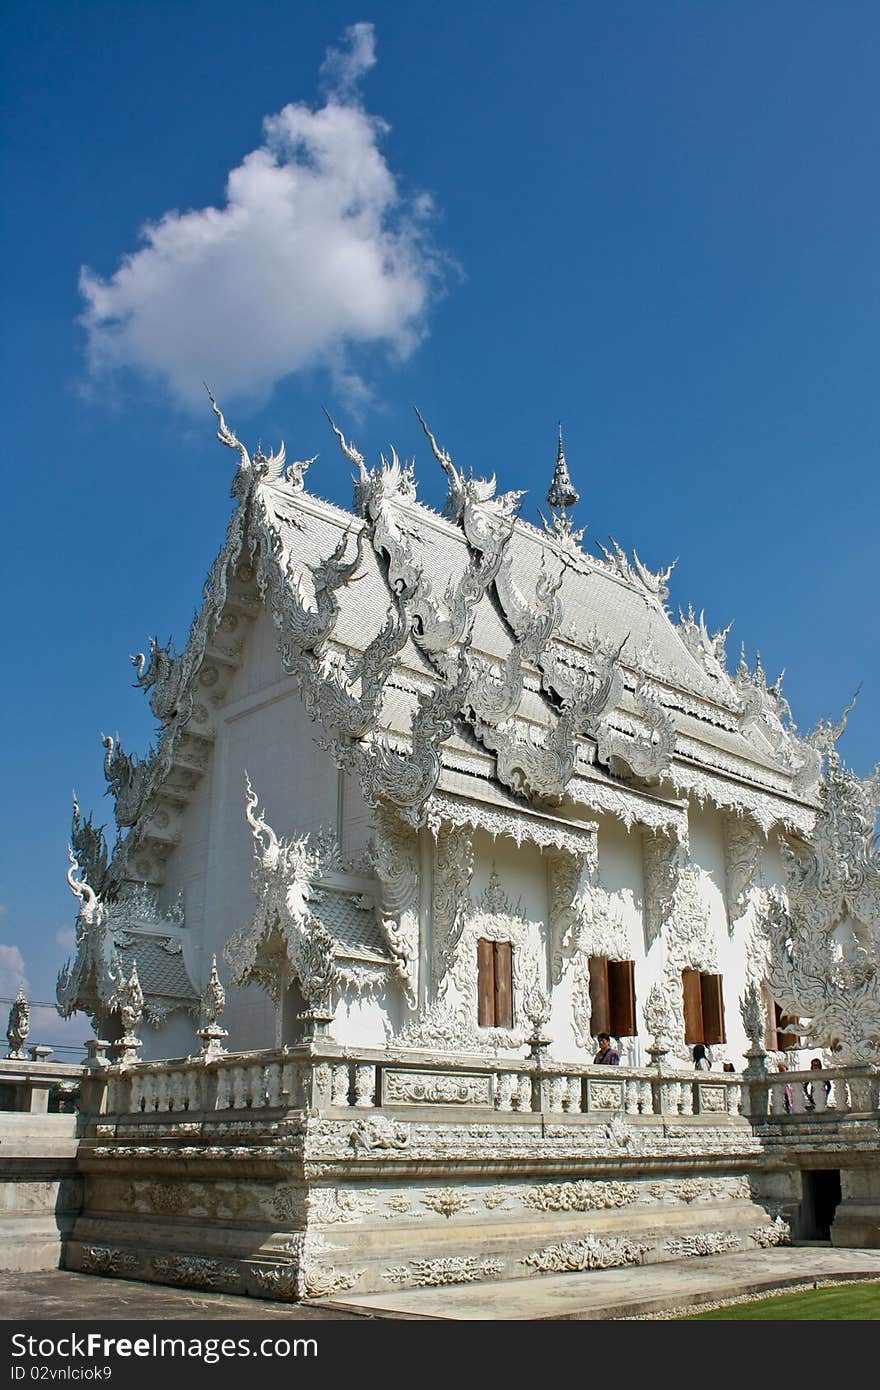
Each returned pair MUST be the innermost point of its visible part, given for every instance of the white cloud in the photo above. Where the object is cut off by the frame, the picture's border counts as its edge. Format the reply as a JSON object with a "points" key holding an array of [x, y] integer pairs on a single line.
{"points": [[12, 972], [315, 251], [48, 1027], [344, 67], [66, 937]]}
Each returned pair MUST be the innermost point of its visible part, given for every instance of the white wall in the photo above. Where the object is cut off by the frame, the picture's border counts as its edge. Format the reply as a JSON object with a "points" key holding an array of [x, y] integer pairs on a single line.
{"points": [[263, 728]]}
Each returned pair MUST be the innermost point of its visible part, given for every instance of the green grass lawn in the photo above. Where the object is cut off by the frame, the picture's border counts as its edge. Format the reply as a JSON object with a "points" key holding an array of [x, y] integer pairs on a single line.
{"points": [[853, 1302]]}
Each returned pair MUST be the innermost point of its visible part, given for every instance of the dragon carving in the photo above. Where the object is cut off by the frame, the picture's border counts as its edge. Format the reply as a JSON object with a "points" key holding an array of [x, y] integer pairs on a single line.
{"points": [[487, 519], [409, 779], [653, 586], [283, 876], [168, 677], [129, 780], [648, 752], [89, 847]]}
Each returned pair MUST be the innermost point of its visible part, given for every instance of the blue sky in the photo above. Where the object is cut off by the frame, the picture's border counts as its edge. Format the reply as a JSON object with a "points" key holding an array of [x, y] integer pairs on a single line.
{"points": [[658, 223]]}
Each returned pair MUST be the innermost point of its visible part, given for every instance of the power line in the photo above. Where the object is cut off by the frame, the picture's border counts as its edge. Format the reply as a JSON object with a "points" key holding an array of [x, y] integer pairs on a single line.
{"points": [[33, 1003]]}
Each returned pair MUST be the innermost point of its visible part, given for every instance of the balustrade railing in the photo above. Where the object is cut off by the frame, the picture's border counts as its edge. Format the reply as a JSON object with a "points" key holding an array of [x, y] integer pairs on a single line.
{"points": [[315, 1078], [234, 1081], [841, 1090]]}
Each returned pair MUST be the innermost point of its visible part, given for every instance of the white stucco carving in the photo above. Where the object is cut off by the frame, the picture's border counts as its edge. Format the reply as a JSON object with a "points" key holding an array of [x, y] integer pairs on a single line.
{"points": [[396, 865], [742, 847], [824, 931]]}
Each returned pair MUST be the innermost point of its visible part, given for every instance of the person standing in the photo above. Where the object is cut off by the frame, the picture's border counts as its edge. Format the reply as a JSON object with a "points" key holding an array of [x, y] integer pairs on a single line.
{"points": [[701, 1061], [606, 1056], [786, 1090], [809, 1090]]}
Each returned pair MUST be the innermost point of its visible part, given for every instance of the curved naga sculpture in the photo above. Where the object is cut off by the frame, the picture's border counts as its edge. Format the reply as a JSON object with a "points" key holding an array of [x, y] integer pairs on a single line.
{"points": [[129, 780], [436, 625], [89, 847], [347, 714], [648, 752], [653, 586], [538, 766], [534, 625], [304, 629], [282, 879], [90, 908], [409, 779], [486, 519], [268, 470], [87, 975], [167, 675]]}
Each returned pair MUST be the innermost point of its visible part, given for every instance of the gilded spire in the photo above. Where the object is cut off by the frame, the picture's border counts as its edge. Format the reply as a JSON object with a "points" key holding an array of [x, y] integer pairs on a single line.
{"points": [[562, 492], [562, 495]]}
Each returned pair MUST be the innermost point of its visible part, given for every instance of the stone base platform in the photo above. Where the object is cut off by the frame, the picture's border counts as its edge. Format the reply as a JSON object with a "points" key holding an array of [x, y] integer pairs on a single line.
{"points": [[445, 1244], [279, 1175], [40, 1192]]}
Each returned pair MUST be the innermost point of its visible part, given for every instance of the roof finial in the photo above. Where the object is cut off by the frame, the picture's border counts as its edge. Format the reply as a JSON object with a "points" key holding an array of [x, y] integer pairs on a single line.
{"points": [[562, 495]]}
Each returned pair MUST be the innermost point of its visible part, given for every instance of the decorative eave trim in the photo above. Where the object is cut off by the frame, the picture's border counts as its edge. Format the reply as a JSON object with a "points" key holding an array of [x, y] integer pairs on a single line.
{"points": [[449, 809], [690, 750], [765, 808]]}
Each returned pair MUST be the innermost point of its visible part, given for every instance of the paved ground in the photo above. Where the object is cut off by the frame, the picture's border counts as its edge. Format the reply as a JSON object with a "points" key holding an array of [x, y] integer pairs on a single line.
{"points": [[610, 1293], [57, 1295], [621, 1293]]}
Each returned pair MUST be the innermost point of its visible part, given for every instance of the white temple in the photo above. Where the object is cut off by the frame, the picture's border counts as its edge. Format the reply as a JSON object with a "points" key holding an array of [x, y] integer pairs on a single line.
{"points": [[451, 787]]}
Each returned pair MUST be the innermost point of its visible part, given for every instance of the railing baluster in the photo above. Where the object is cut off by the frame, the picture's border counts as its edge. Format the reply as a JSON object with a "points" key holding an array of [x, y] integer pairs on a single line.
{"points": [[522, 1099], [686, 1094], [340, 1084], [504, 1089], [573, 1095], [223, 1099], [148, 1099], [273, 1084], [365, 1085], [646, 1096], [554, 1093]]}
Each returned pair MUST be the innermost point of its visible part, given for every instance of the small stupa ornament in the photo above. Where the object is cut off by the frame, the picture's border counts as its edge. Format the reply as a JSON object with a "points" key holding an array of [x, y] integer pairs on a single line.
{"points": [[562, 496], [213, 1004], [19, 1027], [127, 1000]]}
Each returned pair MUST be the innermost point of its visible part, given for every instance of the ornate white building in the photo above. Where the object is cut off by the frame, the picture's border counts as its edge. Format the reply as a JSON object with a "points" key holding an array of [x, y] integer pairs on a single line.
{"points": [[449, 786]]}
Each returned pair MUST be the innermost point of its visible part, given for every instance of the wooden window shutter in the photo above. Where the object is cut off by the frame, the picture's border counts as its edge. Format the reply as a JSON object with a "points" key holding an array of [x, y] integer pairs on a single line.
{"points": [[713, 1009], [693, 1006], [503, 984], [785, 1040], [599, 1011], [486, 984], [622, 991]]}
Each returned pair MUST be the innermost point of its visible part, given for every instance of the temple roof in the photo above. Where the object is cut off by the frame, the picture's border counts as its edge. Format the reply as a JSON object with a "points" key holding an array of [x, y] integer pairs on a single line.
{"points": [[471, 642], [160, 966], [351, 923], [595, 602], [113, 938]]}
